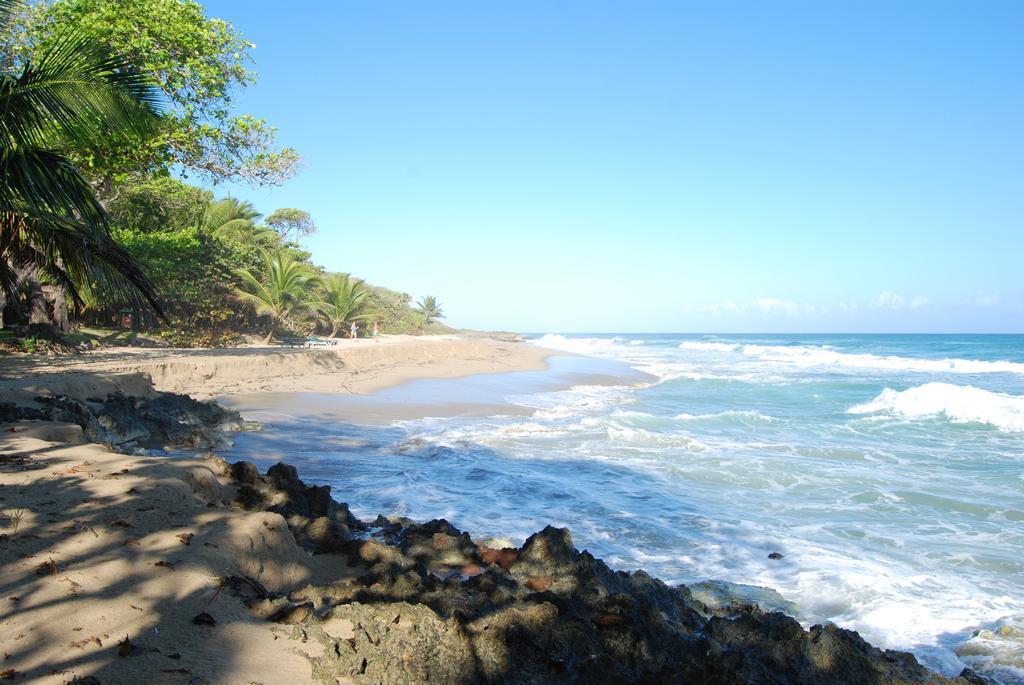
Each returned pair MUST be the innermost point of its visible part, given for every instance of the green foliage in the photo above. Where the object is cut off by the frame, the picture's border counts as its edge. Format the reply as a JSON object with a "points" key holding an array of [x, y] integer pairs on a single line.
{"points": [[73, 118], [31, 344], [343, 300], [198, 62], [430, 308], [73, 95], [192, 272], [18, 37], [393, 311], [231, 217], [291, 223], [19, 507], [285, 290], [158, 203]]}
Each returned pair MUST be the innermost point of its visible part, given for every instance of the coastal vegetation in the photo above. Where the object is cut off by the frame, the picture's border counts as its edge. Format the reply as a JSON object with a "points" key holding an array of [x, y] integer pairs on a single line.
{"points": [[107, 111], [53, 227], [284, 291], [430, 308], [344, 301]]}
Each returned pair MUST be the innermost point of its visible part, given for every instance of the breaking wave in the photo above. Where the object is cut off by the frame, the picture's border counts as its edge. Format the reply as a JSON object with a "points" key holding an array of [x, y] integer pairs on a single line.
{"points": [[958, 403]]}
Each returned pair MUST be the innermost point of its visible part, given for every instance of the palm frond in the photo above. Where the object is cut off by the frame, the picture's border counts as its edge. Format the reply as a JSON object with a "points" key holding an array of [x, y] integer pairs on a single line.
{"points": [[77, 93], [286, 289], [231, 217], [7, 10]]}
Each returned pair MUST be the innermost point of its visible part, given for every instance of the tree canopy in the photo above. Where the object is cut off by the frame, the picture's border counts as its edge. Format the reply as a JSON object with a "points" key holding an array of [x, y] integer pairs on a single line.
{"points": [[430, 308], [291, 223], [197, 62], [102, 105], [73, 94]]}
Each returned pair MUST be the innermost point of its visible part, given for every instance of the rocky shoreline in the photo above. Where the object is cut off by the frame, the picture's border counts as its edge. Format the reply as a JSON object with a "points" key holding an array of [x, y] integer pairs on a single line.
{"points": [[425, 603], [434, 606], [130, 424]]}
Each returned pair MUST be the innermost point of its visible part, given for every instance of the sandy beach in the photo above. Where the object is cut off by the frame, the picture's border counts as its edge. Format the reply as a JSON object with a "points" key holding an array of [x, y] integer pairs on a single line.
{"points": [[350, 366], [97, 547], [126, 568]]}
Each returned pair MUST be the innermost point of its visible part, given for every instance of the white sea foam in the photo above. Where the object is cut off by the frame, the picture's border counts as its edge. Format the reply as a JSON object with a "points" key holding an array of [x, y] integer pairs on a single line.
{"points": [[633, 352], [587, 346], [640, 437], [958, 403], [909, 535], [732, 413], [808, 356], [578, 400], [708, 346], [802, 356]]}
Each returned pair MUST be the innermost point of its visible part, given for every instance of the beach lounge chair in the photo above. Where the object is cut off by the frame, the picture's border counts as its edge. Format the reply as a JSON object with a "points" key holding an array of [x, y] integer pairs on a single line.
{"points": [[292, 341]]}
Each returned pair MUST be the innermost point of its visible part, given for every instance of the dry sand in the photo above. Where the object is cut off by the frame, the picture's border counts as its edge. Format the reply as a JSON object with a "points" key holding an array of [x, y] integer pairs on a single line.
{"points": [[100, 555], [93, 543], [351, 366]]}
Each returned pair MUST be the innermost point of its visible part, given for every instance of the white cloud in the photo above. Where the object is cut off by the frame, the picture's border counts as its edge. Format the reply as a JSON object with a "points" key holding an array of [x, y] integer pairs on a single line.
{"points": [[888, 300], [765, 306], [986, 301], [895, 301], [770, 305]]}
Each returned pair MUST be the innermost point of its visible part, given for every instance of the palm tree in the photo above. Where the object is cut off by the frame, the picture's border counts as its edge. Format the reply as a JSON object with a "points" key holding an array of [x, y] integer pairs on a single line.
{"points": [[286, 289], [419, 321], [73, 96], [342, 301], [230, 217], [430, 308]]}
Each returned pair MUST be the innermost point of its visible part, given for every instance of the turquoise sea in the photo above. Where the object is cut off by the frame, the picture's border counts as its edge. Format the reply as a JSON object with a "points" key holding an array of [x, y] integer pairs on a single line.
{"points": [[887, 470]]}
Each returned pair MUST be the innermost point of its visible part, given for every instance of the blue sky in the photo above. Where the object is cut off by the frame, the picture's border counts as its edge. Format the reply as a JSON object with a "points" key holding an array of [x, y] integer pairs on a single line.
{"points": [[642, 166]]}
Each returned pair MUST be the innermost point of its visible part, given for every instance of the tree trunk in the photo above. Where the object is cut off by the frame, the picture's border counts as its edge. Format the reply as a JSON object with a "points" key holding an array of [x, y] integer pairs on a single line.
{"points": [[57, 307], [334, 330], [3, 306], [270, 333], [39, 319]]}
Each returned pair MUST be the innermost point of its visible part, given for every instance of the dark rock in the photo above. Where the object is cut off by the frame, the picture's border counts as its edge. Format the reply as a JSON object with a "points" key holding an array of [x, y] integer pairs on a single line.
{"points": [[439, 543], [250, 497], [559, 615], [204, 619], [547, 553], [381, 559], [319, 523], [386, 650], [321, 534], [296, 498], [10, 412], [973, 678], [432, 606], [167, 420], [245, 472]]}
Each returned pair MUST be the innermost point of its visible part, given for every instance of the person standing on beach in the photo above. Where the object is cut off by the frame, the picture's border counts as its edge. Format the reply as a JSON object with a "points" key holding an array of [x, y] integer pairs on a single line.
{"points": [[353, 331], [376, 331]]}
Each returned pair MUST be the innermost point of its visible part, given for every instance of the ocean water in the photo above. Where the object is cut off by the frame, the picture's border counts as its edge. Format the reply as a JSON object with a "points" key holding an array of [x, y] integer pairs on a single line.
{"points": [[887, 470]]}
